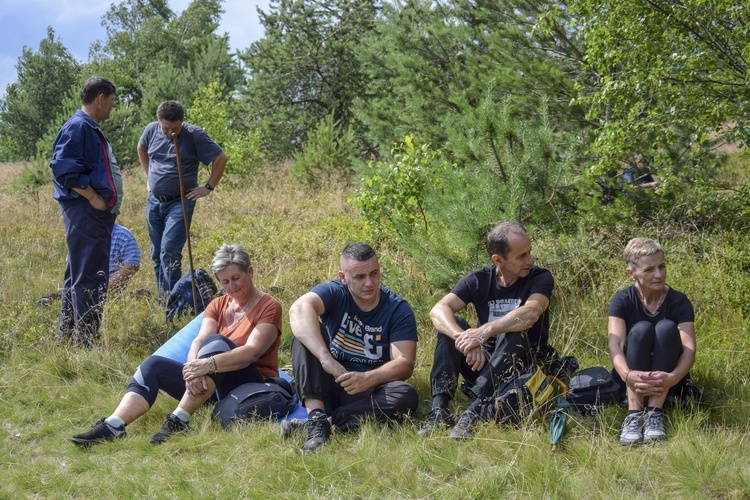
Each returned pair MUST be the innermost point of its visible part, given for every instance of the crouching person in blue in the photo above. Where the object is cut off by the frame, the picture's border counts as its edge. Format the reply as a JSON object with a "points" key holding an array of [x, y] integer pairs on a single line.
{"points": [[238, 343], [511, 298], [651, 341], [354, 345]]}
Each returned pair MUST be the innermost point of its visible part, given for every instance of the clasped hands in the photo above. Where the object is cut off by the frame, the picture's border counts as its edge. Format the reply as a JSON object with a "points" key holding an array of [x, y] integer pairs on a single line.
{"points": [[194, 374], [469, 343], [351, 382], [652, 383]]}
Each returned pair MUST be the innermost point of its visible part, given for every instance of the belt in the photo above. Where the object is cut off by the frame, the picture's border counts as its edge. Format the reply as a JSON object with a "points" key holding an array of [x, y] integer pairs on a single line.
{"points": [[167, 198]]}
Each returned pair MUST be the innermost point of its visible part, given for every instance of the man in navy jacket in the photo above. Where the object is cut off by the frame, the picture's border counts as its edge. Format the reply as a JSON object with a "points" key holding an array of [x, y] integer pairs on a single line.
{"points": [[88, 188]]}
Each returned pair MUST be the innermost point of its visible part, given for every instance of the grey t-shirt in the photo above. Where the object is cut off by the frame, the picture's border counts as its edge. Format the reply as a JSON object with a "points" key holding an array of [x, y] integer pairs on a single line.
{"points": [[196, 147], [116, 178]]}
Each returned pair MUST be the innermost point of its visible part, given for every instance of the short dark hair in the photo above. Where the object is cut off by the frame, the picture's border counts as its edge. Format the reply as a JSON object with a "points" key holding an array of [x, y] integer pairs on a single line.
{"points": [[358, 251], [94, 86], [171, 111], [497, 239]]}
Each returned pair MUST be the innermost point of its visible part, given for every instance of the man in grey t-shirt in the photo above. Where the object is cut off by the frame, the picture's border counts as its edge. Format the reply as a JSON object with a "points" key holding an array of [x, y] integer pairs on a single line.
{"points": [[164, 216]]}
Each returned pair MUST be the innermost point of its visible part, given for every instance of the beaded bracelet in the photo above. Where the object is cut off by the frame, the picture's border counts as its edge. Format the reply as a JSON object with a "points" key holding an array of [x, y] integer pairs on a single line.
{"points": [[211, 366]]}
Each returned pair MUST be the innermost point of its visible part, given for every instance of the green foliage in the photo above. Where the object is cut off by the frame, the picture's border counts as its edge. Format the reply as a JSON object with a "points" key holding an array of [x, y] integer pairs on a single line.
{"points": [[212, 110], [34, 175], [328, 153], [430, 63], [505, 169], [391, 196], [666, 69], [43, 77], [306, 67]]}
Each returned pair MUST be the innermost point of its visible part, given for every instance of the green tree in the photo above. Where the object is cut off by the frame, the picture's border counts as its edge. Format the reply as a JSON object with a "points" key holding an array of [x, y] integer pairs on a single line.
{"points": [[671, 73], [35, 99], [430, 62], [306, 67], [212, 110], [153, 55]]}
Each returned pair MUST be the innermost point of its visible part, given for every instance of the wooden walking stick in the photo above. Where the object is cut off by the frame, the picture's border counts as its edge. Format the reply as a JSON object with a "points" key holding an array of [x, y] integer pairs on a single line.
{"points": [[187, 224]]}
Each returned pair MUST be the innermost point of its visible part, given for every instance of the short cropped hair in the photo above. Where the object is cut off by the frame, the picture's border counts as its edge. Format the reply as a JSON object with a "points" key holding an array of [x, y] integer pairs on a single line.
{"points": [[228, 254], [497, 238], [171, 111], [640, 247], [94, 86], [358, 251]]}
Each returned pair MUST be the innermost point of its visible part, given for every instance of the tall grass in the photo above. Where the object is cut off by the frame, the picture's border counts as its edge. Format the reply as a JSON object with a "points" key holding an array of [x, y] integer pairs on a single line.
{"points": [[48, 392]]}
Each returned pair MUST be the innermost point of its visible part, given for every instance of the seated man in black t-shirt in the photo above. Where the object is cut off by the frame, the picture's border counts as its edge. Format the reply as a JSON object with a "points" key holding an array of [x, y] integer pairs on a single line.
{"points": [[511, 299]]}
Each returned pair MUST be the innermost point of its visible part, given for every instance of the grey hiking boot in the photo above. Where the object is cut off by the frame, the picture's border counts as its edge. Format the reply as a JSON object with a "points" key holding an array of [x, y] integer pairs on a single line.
{"points": [[100, 431], [463, 428], [318, 431], [653, 429], [438, 418], [172, 425], [632, 429]]}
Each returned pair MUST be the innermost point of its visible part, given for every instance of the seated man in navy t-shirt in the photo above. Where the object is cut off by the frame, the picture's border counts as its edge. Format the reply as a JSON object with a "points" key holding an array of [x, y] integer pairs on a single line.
{"points": [[511, 298], [354, 344]]}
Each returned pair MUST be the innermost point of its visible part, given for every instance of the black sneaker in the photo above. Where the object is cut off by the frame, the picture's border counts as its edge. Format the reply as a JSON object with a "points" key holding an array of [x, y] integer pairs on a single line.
{"points": [[291, 426], [463, 428], [100, 431], [438, 418], [318, 431], [172, 425]]}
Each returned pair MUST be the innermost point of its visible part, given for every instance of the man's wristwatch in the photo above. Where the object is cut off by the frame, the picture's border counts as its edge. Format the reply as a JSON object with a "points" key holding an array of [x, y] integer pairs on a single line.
{"points": [[208, 186]]}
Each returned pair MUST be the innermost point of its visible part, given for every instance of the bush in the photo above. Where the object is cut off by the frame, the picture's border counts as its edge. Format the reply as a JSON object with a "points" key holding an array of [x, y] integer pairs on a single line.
{"points": [[329, 153]]}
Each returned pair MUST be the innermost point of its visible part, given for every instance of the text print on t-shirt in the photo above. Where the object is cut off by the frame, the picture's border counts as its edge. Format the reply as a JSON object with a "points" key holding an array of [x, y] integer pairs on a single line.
{"points": [[354, 342], [501, 307]]}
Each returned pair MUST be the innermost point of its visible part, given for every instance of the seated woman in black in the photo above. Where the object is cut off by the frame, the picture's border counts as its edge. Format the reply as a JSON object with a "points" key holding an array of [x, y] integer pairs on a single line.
{"points": [[651, 340]]}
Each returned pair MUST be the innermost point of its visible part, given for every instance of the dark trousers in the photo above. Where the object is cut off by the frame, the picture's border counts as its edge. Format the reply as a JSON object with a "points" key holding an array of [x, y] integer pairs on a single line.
{"points": [[651, 347], [88, 234], [386, 402], [448, 362], [507, 354], [160, 373]]}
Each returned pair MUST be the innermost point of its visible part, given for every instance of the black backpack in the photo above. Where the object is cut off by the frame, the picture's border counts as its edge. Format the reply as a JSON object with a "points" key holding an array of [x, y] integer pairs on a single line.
{"points": [[519, 398], [591, 388], [180, 299], [270, 399]]}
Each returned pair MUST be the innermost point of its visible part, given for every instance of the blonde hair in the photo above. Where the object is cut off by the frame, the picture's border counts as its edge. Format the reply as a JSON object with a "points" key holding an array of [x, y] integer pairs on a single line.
{"points": [[640, 247]]}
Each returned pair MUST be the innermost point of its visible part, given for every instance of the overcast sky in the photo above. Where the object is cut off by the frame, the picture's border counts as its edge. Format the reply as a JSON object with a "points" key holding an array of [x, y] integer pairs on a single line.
{"points": [[24, 22]]}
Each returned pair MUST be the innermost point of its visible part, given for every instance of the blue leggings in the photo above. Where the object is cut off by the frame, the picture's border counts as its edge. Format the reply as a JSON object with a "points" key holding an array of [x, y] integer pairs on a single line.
{"points": [[160, 373]]}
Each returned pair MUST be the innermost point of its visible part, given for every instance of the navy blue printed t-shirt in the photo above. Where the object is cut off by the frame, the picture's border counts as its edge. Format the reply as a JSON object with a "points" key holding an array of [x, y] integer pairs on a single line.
{"points": [[492, 301], [361, 341]]}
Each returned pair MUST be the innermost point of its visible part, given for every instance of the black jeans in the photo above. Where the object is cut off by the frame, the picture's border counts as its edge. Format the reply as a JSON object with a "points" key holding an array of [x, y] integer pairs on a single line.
{"points": [[385, 402], [506, 354]]}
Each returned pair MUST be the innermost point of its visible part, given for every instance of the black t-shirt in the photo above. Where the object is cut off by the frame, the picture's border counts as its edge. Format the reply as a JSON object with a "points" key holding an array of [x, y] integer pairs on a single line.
{"points": [[627, 306], [492, 301]]}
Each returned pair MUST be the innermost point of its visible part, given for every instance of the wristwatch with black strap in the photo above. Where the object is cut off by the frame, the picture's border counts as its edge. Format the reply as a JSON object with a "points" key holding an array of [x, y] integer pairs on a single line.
{"points": [[208, 186]]}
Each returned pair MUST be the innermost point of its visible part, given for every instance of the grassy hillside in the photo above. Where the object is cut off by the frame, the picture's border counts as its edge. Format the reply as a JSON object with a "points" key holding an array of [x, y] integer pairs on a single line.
{"points": [[48, 393]]}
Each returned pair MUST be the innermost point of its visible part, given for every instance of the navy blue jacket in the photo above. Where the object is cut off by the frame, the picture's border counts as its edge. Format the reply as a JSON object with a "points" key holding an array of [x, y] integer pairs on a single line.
{"points": [[80, 159]]}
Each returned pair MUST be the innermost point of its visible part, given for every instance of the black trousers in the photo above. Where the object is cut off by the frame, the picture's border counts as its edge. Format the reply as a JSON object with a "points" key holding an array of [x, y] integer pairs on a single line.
{"points": [[160, 373], [651, 347], [385, 402], [506, 354]]}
